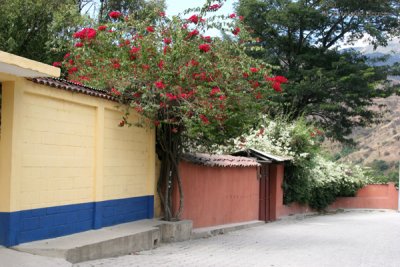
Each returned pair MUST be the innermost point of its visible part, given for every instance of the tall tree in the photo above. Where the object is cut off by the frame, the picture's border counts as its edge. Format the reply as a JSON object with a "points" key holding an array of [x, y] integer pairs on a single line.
{"points": [[29, 27], [141, 9], [335, 87]]}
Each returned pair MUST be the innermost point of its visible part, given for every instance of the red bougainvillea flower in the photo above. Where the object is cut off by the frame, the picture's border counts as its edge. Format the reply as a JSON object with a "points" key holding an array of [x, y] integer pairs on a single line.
{"points": [[254, 70], [102, 28], [161, 14], [171, 97], [214, 7], [206, 39], [167, 41], [86, 33], [255, 84], [67, 55], [72, 70], [277, 87], [193, 63], [115, 14], [115, 91], [232, 16], [194, 19], [84, 78], [222, 97], [116, 65], [193, 33], [281, 79], [57, 64], [79, 44], [150, 28], [278, 79], [204, 48], [236, 31], [258, 95], [166, 50], [134, 50], [241, 18], [245, 75], [159, 85], [214, 91], [204, 119], [161, 64]]}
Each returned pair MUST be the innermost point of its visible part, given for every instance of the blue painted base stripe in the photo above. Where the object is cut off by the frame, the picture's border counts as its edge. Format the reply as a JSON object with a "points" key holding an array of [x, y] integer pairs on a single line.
{"points": [[30, 225]]}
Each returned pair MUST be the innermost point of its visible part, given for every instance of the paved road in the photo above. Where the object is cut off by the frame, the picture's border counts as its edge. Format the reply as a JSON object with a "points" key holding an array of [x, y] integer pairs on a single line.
{"points": [[348, 239], [356, 239]]}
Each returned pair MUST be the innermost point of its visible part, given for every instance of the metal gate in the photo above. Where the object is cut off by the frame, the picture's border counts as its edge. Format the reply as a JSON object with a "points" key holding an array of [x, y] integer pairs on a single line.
{"points": [[265, 193]]}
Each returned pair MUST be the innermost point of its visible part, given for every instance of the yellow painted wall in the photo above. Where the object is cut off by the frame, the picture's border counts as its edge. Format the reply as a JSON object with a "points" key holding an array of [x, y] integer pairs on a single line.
{"points": [[65, 148], [5, 143]]}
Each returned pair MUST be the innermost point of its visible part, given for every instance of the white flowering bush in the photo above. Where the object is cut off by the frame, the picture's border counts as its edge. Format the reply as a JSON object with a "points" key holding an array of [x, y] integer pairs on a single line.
{"points": [[310, 178]]}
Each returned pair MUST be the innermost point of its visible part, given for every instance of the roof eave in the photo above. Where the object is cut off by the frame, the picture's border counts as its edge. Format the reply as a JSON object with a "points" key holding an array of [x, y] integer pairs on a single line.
{"points": [[23, 67]]}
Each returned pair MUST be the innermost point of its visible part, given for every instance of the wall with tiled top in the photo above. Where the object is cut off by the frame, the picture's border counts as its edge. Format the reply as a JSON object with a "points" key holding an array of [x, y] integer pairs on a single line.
{"points": [[68, 167]]}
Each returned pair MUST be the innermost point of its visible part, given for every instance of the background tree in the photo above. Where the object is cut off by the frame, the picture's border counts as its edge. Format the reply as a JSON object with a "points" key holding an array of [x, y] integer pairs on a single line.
{"points": [[334, 87], [195, 89], [141, 9], [31, 28]]}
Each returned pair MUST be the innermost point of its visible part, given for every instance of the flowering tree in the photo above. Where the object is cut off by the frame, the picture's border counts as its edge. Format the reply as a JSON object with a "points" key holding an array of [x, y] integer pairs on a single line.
{"points": [[194, 89]]}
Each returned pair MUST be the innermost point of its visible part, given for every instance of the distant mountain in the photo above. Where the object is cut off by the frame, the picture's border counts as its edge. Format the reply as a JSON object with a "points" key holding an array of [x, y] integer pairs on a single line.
{"points": [[381, 141], [392, 51]]}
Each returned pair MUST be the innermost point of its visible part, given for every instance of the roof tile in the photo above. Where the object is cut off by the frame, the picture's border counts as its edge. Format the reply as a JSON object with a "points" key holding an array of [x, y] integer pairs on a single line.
{"points": [[74, 87], [219, 160]]}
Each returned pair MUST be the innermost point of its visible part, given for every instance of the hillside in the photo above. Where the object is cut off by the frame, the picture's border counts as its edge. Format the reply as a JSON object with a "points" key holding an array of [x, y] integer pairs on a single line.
{"points": [[378, 142]]}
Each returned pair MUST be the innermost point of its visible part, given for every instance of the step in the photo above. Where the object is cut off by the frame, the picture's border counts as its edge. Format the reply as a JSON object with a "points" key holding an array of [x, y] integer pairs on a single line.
{"points": [[107, 242]]}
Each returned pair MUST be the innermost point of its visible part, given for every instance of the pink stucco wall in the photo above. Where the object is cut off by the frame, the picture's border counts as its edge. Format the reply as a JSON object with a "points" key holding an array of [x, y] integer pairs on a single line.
{"points": [[377, 196], [215, 195]]}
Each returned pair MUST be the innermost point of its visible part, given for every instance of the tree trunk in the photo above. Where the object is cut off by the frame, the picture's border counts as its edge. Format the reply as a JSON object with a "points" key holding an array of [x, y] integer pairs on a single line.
{"points": [[169, 150]]}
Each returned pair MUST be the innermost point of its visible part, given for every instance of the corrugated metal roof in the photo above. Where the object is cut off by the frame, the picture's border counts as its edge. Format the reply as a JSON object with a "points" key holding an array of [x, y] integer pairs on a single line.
{"points": [[74, 87], [219, 160], [262, 156]]}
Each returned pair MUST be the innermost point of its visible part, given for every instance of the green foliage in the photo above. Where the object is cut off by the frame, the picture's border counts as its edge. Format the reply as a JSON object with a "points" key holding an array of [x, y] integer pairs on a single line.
{"points": [[309, 177], [29, 28], [383, 172], [140, 9], [320, 182], [333, 87], [346, 150]]}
